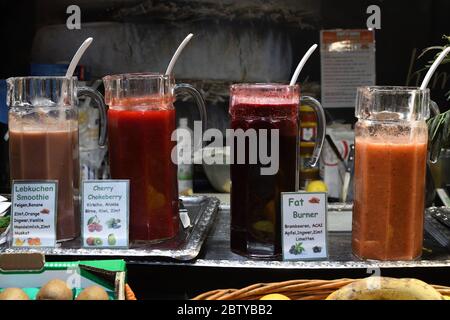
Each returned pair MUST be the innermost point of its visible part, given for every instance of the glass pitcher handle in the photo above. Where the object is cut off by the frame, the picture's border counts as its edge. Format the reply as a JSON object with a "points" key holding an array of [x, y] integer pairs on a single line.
{"points": [[198, 98], [99, 101], [434, 109], [321, 123], [433, 155]]}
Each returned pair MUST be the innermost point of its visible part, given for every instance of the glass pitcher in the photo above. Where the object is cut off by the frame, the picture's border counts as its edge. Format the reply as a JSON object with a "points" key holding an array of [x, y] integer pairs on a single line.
{"points": [[43, 139], [255, 194], [141, 120], [391, 138]]}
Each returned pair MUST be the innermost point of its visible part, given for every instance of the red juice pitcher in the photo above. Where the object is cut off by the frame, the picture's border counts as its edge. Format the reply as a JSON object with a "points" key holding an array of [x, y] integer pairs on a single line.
{"points": [[141, 120], [255, 196]]}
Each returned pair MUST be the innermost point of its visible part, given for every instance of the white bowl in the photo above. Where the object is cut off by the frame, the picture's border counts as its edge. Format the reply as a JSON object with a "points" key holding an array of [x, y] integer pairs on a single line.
{"points": [[216, 163]]}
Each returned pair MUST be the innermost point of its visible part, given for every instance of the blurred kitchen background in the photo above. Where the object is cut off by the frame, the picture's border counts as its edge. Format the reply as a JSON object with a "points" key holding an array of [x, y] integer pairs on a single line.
{"points": [[235, 41]]}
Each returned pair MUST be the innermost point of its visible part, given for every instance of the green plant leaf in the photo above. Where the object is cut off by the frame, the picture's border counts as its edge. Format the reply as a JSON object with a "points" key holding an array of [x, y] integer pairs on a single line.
{"points": [[4, 221], [430, 49], [446, 132], [438, 134], [92, 220]]}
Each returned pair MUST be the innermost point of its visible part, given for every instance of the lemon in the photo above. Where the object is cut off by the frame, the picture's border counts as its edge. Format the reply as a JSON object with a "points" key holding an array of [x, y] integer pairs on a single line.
{"points": [[264, 226], [446, 297], [227, 186], [275, 296], [187, 192], [270, 211], [156, 199], [316, 186]]}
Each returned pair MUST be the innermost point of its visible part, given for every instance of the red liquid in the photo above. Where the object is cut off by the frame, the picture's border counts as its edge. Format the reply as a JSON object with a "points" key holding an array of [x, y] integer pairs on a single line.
{"points": [[140, 150], [255, 198]]}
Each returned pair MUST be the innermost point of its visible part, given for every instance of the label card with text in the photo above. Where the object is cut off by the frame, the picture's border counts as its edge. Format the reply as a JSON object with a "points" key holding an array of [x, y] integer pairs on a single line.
{"points": [[33, 213], [105, 212], [347, 61], [303, 225]]}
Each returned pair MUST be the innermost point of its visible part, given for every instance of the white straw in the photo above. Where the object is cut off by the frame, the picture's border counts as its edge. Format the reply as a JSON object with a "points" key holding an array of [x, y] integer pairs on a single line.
{"points": [[71, 69], [433, 68], [177, 53], [301, 64], [76, 58]]}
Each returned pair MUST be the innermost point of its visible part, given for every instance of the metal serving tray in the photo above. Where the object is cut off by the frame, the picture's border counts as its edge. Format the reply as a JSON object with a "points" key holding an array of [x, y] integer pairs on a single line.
{"points": [[217, 252], [202, 211]]}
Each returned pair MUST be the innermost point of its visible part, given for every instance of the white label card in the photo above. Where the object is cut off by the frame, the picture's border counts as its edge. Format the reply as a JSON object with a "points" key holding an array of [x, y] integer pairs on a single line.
{"points": [[304, 227], [33, 213], [105, 212], [347, 59]]}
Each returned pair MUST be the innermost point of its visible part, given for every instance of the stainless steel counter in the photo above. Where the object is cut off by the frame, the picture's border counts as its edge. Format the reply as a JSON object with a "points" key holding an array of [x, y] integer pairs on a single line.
{"points": [[216, 253]]}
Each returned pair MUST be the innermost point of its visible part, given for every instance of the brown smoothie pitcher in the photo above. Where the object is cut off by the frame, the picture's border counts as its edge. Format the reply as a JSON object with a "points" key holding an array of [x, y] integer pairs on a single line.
{"points": [[43, 139]]}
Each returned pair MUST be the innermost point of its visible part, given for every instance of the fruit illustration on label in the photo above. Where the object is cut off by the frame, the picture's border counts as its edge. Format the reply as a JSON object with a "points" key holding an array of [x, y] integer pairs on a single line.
{"points": [[19, 242], [92, 241], [112, 239], [34, 241], [93, 224], [314, 200], [297, 249], [113, 223], [45, 211]]}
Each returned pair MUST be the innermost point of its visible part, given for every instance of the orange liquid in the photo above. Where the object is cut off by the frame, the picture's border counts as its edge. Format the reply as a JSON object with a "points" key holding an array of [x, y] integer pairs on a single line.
{"points": [[388, 200]]}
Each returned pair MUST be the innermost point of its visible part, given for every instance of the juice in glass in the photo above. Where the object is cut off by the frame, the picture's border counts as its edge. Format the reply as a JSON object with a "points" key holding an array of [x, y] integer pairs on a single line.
{"points": [[50, 154], [255, 197], [139, 151], [43, 139], [141, 121], [390, 164]]}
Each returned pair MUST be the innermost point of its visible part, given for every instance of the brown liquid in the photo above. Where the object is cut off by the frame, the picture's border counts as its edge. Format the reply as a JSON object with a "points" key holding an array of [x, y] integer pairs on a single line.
{"points": [[50, 155]]}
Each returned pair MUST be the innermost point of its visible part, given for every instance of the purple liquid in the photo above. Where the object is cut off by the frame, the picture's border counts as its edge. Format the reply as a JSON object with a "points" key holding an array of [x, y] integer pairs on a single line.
{"points": [[255, 198]]}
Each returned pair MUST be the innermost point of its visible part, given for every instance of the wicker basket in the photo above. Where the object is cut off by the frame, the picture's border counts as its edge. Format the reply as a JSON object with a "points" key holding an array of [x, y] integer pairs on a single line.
{"points": [[294, 289]]}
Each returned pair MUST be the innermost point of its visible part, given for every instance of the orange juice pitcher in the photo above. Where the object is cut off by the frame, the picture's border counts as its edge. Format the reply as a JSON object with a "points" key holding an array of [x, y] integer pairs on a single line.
{"points": [[389, 181]]}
